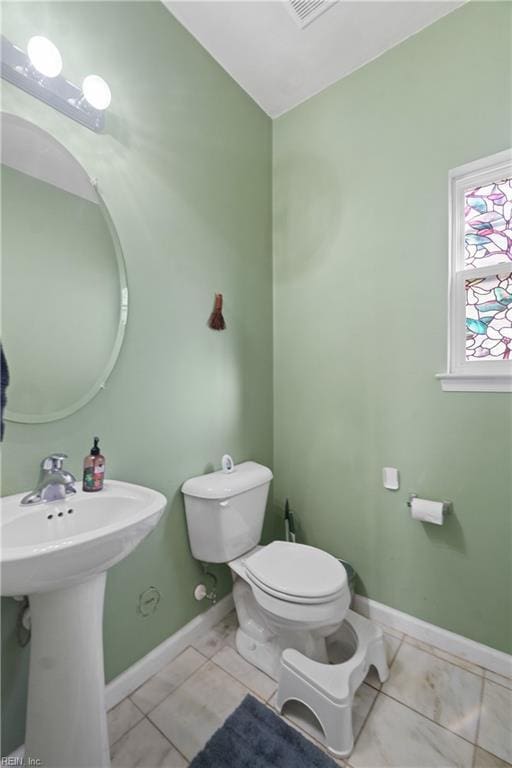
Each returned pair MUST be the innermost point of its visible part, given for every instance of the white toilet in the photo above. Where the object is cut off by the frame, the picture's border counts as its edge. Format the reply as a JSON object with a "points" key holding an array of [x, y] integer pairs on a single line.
{"points": [[286, 595]]}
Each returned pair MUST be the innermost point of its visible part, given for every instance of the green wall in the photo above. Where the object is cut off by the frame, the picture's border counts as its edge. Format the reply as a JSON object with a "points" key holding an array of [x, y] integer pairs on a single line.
{"points": [[360, 270], [185, 169]]}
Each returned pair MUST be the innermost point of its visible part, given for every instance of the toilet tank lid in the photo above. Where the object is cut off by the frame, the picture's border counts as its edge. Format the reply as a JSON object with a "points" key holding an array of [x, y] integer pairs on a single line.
{"points": [[223, 485]]}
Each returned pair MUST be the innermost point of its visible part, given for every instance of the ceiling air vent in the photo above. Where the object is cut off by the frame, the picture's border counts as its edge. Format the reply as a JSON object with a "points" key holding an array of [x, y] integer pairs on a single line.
{"points": [[306, 11]]}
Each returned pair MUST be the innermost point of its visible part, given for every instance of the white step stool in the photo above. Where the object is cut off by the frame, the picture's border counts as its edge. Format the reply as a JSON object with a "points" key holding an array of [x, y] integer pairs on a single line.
{"points": [[328, 689]]}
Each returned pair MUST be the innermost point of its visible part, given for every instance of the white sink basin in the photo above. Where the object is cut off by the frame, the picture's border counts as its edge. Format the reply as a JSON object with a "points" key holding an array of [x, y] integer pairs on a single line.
{"points": [[53, 545], [58, 553]]}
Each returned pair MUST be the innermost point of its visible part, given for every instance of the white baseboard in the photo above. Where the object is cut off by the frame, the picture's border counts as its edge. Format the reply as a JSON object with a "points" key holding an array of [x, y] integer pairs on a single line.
{"points": [[133, 677], [463, 647]]}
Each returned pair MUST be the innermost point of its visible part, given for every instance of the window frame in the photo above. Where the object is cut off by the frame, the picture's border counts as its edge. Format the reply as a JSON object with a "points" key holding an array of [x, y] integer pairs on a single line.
{"points": [[463, 375]]}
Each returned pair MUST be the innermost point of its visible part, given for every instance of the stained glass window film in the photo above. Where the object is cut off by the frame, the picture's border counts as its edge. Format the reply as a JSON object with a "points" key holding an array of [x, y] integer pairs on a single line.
{"points": [[488, 224], [489, 318]]}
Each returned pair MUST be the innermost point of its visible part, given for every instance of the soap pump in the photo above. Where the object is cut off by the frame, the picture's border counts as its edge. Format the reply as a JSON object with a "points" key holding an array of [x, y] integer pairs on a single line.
{"points": [[94, 469]]}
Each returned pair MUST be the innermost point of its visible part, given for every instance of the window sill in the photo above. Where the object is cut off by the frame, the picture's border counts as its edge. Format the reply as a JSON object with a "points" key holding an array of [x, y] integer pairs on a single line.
{"points": [[475, 382]]}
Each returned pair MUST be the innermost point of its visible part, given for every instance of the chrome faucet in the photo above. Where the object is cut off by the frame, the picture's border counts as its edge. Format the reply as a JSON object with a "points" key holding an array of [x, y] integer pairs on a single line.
{"points": [[54, 482]]}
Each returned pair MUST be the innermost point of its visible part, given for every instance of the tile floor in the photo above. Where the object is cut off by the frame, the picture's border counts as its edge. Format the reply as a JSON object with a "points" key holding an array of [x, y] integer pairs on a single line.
{"points": [[434, 711]]}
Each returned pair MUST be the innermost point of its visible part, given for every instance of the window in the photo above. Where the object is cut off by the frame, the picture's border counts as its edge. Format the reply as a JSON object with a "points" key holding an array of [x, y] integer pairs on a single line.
{"points": [[480, 289]]}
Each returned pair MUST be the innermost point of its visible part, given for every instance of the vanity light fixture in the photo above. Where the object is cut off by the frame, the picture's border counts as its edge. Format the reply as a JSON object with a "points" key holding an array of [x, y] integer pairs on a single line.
{"points": [[38, 72], [44, 56], [96, 92]]}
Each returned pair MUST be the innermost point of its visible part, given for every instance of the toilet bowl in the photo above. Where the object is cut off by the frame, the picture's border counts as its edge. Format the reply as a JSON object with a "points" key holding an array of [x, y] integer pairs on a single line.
{"points": [[286, 595]]}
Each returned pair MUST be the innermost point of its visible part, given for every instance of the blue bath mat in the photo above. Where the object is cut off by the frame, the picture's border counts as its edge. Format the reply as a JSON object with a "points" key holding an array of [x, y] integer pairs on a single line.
{"points": [[255, 737]]}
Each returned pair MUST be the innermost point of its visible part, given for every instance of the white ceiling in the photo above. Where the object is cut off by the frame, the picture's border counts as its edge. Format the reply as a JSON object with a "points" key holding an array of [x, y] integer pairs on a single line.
{"points": [[279, 64]]}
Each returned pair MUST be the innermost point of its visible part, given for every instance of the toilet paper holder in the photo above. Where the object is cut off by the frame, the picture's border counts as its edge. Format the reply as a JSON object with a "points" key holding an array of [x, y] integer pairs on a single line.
{"points": [[447, 505]]}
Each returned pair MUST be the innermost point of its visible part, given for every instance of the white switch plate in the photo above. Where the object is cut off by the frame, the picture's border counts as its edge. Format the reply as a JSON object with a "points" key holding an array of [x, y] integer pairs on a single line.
{"points": [[390, 478]]}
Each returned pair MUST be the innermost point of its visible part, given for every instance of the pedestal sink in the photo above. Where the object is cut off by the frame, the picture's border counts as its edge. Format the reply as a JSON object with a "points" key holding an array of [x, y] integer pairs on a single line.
{"points": [[58, 554]]}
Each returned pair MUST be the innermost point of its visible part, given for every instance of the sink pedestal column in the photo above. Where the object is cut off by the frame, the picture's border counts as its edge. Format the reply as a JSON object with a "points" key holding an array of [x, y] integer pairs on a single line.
{"points": [[66, 716]]}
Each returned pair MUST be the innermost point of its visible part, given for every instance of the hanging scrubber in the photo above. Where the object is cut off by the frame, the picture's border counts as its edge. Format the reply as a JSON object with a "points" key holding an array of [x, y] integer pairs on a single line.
{"points": [[289, 522], [216, 321]]}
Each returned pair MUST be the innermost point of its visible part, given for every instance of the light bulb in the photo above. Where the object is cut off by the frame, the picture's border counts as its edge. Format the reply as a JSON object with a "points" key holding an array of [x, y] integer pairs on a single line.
{"points": [[44, 56], [96, 91]]}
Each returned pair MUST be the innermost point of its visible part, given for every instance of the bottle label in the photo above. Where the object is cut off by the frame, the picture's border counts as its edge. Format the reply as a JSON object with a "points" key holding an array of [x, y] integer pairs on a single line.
{"points": [[93, 477], [88, 479]]}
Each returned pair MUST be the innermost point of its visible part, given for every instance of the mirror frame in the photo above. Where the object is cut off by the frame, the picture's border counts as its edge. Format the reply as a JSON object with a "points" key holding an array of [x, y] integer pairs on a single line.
{"points": [[101, 380]]}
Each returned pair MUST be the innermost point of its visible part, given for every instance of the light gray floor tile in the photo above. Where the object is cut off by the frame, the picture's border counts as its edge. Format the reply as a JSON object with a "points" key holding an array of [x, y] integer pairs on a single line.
{"points": [[227, 625], [391, 644], [231, 661], [121, 718], [227, 629], [158, 687], [230, 640], [500, 679], [396, 737], [145, 747], [446, 693], [211, 642], [192, 713], [495, 732], [484, 759], [444, 655]]}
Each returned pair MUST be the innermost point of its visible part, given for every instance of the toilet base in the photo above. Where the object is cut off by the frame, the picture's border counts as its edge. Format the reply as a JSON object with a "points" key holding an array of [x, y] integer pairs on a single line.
{"points": [[263, 655], [261, 639]]}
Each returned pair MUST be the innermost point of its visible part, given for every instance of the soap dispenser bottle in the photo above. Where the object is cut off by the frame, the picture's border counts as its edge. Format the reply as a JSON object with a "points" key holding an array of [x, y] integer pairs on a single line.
{"points": [[94, 469]]}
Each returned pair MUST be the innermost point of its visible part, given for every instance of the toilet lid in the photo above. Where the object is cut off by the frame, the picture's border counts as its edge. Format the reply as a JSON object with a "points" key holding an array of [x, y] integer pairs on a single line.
{"points": [[296, 571]]}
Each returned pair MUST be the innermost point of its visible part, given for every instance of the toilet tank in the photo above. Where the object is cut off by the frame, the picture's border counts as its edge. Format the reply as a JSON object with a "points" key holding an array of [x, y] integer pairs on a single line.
{"points": [[225, 511]]}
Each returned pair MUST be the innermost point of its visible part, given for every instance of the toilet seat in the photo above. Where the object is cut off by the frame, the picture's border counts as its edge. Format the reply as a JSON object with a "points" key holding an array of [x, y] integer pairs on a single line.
{"points": [[296, 573], [302, 615], [290, 598]]}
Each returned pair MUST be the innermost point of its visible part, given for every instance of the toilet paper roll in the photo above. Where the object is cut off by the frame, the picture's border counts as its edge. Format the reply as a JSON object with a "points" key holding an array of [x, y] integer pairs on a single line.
{"points": [[428, 511]]}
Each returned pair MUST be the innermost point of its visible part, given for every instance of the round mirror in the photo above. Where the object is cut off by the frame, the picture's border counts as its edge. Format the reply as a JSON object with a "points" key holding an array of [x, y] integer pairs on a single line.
{"points": [[65, 296]]}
